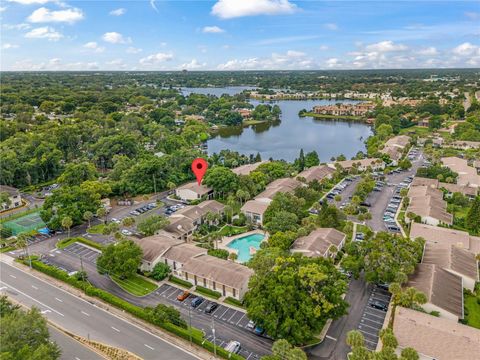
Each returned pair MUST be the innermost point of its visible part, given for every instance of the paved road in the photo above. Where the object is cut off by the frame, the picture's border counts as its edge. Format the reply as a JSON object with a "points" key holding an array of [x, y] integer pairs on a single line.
{"points": [[334, 346], [82, 318], [71, 348], [252, 345]]}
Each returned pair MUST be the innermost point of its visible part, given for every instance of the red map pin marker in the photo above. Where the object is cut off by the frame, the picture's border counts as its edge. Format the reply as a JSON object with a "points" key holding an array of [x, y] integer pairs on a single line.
{"points": [[199, 167]]}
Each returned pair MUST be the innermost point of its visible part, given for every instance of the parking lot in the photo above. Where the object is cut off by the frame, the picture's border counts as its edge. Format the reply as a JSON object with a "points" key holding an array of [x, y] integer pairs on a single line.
{"points": [[82, 251], [372, 318], [222, 313], [345, 189]]}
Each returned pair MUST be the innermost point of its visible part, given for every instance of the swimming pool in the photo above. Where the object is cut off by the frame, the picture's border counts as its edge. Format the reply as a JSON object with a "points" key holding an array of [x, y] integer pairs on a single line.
{"points": [[243, 245]]}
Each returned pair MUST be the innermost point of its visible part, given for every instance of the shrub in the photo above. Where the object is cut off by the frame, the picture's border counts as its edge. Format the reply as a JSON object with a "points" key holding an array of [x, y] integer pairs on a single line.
{"points": [[180, 282], [240, 221], [160, 271], [233, 301], [220, 253], [208, 292]]}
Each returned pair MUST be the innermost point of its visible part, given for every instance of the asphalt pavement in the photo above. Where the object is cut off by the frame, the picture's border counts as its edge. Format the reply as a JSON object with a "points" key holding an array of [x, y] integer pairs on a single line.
{"points": [[84, 319], [71, 348]]}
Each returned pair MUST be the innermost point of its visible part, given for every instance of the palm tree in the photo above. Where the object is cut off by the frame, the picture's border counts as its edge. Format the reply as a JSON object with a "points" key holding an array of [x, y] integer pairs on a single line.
{"points": [[22, 242], [128, 221], [67, 223], [102, 212], [228, 210], [88, 215], [388, 339], [355, 339]]}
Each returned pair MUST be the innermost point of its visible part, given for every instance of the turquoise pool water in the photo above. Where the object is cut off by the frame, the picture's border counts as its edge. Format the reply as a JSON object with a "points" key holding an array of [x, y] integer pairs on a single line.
{"points": [[243, 245]]}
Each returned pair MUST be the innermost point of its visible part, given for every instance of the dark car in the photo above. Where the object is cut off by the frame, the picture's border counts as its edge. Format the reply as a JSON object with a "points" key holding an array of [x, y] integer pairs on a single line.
{"points": [[258, 330], [367, 204], [383, 286], [197, 301], [211, 307], [379, 305], [393, 228]]}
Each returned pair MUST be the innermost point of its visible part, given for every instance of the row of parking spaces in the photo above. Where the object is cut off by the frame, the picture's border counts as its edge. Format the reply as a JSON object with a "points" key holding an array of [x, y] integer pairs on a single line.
{"points": [[37, 238], [222, 343], [48, 261], [83, 252], [222, 312], [101, 239], [372, 318]]}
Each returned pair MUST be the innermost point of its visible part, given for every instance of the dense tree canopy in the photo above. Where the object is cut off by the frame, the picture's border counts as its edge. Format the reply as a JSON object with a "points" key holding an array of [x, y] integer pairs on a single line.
{"points": [[121, 259]]}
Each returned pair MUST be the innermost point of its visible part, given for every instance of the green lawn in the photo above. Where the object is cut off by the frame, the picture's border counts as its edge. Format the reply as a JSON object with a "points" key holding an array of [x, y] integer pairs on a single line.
{"points": [[418, 130], [69, 241], [136, 285], [229, 230], [96, 229], [473, 308]]}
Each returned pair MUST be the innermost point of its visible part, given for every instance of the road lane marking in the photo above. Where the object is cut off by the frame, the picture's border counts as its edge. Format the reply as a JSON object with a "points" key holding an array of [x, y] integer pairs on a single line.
{"points": [[331, 338], [33, 286], [115, 329], [58, 299], [148, 346], [84, 313], [13, 276], [28, 296]]}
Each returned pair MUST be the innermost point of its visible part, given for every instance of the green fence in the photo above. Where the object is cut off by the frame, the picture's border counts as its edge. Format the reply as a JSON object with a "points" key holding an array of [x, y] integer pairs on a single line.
{"points": [[25, 223]]}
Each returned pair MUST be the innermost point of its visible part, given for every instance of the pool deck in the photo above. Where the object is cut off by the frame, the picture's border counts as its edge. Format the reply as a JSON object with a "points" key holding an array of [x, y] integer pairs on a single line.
{"points": [[228, 239]]}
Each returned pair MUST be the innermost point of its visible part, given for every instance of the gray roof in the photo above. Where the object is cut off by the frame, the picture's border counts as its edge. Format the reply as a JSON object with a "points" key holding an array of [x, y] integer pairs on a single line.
{"points": [[255, 206], [316, 173], [11, 191], [318, 242], [183, 252], [441, 287], [154, 246]]}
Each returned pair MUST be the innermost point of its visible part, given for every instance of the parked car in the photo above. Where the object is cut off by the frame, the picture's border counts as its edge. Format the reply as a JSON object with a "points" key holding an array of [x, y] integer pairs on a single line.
{"points": [[379, 305], [126, 232], [183, 295], [251, 325], [258, 330], [116, 221], [393, 228], [364, 203], [211, 307], [233, 347], [134, 213], [383, 286], [197, 301]]}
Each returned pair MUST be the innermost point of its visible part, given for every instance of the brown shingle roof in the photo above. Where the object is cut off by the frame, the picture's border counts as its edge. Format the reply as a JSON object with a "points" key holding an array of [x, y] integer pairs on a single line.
{"points": [[316, 173], [221, 271], [285, 185], [453, 188], [193, 186], [440, 235], [437, 338], [11, 191], [318, 242], [255, 206], [156, 245], [247, 168], [183, 252], [441, 287], [420, 181]]}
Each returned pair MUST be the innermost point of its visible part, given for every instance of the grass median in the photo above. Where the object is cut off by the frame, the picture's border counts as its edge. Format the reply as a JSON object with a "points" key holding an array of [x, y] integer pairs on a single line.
{"points": [[135, 285]]}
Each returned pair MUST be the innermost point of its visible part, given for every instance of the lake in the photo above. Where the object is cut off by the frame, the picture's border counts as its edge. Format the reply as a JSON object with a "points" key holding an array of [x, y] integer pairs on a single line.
{"points": [[283, 140]]}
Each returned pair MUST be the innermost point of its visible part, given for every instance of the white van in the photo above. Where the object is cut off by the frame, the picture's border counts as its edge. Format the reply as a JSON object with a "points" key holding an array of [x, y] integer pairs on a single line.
{"points": [[233, 347]]}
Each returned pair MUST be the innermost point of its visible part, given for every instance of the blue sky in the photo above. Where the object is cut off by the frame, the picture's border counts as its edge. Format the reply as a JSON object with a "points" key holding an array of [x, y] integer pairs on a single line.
{"points": [[237, 34]]}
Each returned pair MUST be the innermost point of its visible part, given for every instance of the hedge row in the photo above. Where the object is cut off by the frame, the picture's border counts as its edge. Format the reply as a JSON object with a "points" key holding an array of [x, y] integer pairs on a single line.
{"points": [[233, 301], [208, 292], [195, 334], [68, 241], [180, 282]]}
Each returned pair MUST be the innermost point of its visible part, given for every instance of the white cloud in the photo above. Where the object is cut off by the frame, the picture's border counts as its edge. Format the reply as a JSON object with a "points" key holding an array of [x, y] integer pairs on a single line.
{"points": [[466, 49], [3, 8], [286, 39], [472, 15], [385, 46], [156, 58], [152, 4], [212, 30], [118, 12], [115, 38], [429, 51], [45, 32], [7, 46], [290, 60], [43, 15], [116, 64], [22, 26], [331, 26], [133, 50], [323, 47], [92, 45], [333, 63], [30, 2], [227, 9], [193, 65]]}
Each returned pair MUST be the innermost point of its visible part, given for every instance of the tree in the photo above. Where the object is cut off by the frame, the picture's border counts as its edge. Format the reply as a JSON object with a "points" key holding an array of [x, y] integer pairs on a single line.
{"points": [[152, 224], [282, 240], [88, 215], [388, 339], [282, 350], [221, 179], [162, 314], [5, 200], [120, 259], [330, 216], [281, 221], [285, 202], [409, 353], [160, 271], [75, 174], [355, 339], [291, 296], [472, 220], [25, 334], [128, 221], [409, 297], [67, 223], [22, 242], [102, 212], [312, 159]]}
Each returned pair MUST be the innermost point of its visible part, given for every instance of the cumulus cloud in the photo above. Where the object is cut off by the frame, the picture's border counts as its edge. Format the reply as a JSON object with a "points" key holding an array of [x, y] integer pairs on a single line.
{"points": [[466, 49], [212, 30], [45, 32], [289, 60], [133, 50], [323, 47], [31, 2], [92, 45], [7, 46], [43, 15], [428, 51], [227, 9], [115, 38], [53, 64], [22, 26], [193, 65], [385, 46], [156, 58], [118, 12]]}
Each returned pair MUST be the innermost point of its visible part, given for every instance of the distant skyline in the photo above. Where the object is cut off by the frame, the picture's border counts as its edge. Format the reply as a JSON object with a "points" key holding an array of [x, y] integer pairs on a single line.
{"points": [[238, 35]]}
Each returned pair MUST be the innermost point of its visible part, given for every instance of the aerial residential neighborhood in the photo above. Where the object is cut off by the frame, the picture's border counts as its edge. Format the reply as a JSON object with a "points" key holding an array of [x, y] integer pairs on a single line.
{"points": [[268, 179]]}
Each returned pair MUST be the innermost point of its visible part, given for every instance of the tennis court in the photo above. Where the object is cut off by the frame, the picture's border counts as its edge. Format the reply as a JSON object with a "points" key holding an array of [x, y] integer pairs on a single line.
{"points": [[25, 223]]}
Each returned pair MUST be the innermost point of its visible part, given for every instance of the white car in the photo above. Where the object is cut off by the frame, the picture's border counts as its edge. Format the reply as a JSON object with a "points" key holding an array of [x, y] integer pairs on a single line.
{"points": [[251, 325], [126, 232], [116, 220]]}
